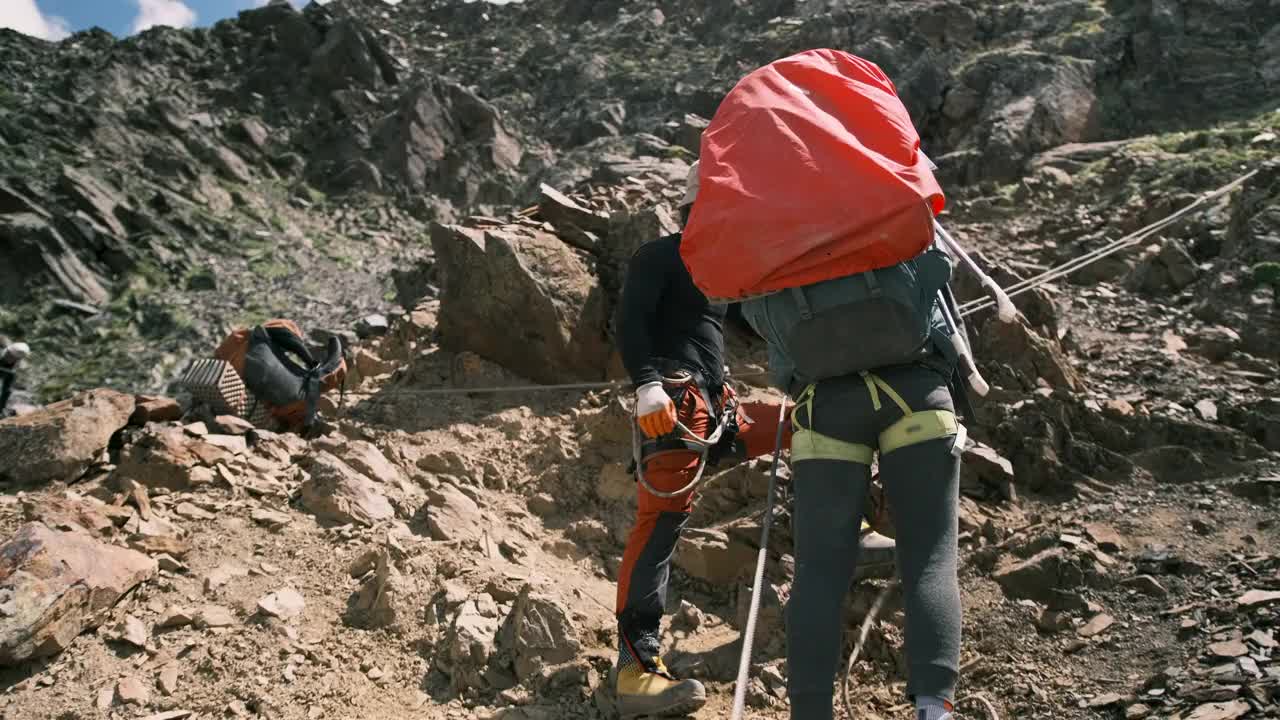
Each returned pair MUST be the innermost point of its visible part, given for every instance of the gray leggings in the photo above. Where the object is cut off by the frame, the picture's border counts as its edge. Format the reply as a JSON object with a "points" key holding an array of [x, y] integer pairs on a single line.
{"points": [[922, 482]]}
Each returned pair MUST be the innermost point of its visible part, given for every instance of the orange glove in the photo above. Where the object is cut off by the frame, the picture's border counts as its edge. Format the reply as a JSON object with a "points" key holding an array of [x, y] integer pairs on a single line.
{"points": [[655, 413]]}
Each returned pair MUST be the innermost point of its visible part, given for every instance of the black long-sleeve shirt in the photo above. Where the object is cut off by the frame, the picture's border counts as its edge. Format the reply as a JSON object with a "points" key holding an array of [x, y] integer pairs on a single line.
{"points": [[665, 316]]}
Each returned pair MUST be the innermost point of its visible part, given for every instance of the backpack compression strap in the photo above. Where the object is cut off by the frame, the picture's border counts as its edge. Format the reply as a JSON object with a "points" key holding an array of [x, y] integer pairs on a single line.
{"points": [[311, 383]]}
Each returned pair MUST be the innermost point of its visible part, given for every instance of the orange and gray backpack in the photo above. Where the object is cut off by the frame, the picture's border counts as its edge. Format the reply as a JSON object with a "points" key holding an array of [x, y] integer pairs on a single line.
{"points": [[280, 372]]}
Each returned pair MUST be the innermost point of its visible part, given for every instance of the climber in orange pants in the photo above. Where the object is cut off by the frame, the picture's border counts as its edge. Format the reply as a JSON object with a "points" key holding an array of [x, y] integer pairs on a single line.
{"points": [[644, 685]]}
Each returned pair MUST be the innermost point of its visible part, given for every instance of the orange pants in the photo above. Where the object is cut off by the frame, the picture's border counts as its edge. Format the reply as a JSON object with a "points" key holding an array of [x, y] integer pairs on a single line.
{"points": [[646, 562]]}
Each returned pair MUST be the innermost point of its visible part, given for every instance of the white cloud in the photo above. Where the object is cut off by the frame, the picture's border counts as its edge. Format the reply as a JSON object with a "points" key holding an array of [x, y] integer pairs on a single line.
{"points": [[163, 12], [296, 3], [25, 17]]}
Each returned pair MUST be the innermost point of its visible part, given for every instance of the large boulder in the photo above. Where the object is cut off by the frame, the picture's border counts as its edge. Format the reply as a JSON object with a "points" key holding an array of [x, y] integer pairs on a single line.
{"points": [[1038, 577], [60, 441], [1029, 102], [522, 299], [349, 57], [364, 457], [56, 585], [98, 200], [73, 513], [287, 44], [337, 493], [713, 556], [984, 473], [628, 230]]}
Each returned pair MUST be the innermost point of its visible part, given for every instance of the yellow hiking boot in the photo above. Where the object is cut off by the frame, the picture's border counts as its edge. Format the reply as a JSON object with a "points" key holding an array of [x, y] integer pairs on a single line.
{"points": [[656, 694]]}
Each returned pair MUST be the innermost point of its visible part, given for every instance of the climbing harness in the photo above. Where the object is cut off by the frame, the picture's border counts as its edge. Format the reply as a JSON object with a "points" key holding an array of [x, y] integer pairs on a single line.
{"points": [[914, 427], [864, 630], [701, 445], [749, 633]]}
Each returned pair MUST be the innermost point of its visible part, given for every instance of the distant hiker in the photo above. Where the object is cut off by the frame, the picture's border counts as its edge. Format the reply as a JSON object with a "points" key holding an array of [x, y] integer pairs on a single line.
{"points": [[10, 358], [672, 343], [817, 210]]}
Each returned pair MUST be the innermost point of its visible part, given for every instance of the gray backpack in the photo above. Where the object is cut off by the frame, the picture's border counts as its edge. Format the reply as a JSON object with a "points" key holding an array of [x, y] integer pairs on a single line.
{"points": [[846, 325]]}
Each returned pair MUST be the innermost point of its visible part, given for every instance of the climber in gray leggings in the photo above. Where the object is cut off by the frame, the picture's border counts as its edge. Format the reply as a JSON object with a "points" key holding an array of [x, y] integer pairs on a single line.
{"points": [[905, 413]]}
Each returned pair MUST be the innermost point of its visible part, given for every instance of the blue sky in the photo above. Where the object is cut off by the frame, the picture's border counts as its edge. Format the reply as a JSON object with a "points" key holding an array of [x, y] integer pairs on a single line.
{"points": [[53, 19]]}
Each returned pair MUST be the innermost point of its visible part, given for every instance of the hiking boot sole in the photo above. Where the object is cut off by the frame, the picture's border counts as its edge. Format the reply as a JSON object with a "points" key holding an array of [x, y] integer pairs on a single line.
{"points": [[687, 706]]}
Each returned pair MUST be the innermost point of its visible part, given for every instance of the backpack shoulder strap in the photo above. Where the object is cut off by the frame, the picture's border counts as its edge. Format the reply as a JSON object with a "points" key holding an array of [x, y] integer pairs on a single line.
{"points": [[802, 303], [332, 357], [285, 340]]}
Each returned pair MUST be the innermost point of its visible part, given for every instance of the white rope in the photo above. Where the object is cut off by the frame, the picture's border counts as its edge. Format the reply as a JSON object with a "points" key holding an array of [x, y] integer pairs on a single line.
{"points": [[1093, 256], [490, 390], [381, 395]]}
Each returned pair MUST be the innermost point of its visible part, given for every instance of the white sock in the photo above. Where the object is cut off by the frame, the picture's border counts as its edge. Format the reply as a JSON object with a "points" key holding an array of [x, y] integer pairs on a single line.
{"points": [[929, 707]]}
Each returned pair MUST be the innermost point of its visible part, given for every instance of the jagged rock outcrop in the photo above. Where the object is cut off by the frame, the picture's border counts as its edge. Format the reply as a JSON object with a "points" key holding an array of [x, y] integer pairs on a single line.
{"points": [[35, 251], [429, 141], [538, 632]]}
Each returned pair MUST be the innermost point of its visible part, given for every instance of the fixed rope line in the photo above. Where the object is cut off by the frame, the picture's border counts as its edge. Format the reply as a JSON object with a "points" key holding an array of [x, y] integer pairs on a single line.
{"points": [[1093, 256], [491, 390], [500, 389], [1141, 233]]}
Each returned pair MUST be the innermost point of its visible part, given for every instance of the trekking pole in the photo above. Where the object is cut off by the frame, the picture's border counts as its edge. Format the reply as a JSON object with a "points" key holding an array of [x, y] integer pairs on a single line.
{"points": [[1004, 306], [749, 633], [961, 344]]}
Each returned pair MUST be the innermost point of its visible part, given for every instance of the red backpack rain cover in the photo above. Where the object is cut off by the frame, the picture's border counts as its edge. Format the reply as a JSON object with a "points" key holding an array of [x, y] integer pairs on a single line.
{"points": [[810, 170]]}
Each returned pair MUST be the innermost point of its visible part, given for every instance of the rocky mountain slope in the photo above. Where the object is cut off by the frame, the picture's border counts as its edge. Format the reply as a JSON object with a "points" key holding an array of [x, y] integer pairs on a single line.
{"points": [[159, 189], [479, 175]]}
